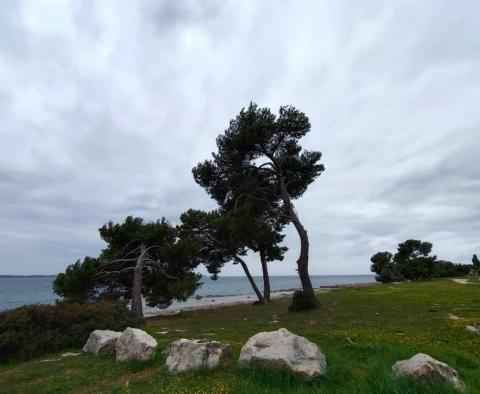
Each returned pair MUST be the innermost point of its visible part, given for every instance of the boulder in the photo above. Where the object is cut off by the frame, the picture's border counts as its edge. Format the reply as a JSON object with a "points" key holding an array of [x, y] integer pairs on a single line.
{"points": [[422, 366], [475, 328], [135, 344], [101, 342], [282, 350], [187, 354]]}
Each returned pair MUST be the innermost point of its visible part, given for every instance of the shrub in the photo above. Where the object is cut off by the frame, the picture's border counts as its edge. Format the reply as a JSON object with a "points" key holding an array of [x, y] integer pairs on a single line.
{"points": [[31, 330], [77, 283], [300, 302]]}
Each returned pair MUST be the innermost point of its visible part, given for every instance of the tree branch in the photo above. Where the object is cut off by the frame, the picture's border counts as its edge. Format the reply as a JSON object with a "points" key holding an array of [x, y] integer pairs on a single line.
{"points": [[126, 246]]}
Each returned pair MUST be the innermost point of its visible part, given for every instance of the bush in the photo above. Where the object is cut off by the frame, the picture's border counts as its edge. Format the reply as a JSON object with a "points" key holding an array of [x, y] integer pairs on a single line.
{"points": [[32, 330], [300, 302]]}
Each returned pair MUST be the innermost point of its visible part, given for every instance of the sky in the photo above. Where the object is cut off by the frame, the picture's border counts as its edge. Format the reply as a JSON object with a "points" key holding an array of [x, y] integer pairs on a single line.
{"points": [[105, 107]]}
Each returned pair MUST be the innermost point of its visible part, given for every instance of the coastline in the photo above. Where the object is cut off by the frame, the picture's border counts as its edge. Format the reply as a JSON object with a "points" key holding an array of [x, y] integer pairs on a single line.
{"points": [[213, 302]]}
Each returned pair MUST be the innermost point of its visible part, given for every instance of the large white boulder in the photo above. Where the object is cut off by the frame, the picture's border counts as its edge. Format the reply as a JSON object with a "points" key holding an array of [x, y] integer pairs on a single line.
{"points": [[422, 366], [101, 342], [187, 354], [282, 350], [475, 328], [135, 344]]}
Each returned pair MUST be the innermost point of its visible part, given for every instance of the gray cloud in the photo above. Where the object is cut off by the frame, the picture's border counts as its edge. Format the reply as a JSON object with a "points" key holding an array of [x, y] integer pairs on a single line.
{"points": [[106, 107]]}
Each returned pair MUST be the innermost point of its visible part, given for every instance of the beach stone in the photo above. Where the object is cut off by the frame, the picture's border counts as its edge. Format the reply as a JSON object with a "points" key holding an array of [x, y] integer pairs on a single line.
{"points": [[101, 342], [282, 350], [423, 366], [135, 344], [188, 354], [70, 354], [475, 328]]}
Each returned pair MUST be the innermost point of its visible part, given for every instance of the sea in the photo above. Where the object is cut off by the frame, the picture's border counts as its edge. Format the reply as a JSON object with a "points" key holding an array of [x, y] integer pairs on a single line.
{"points": [[16, 291]]}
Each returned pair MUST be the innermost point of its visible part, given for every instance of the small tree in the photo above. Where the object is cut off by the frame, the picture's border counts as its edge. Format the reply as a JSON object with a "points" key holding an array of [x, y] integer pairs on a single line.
{"points": [[140, 258], [413, 259], [476, 263], [379, 261], [78, 282], [259, 158], [215, 233], [384, 268], [259, 236]]}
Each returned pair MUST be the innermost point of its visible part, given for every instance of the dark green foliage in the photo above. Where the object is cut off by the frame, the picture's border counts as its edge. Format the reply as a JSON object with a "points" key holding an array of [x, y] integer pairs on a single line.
{"points": [[300, 302], [379, 260], [239, 171], [141, 258], [383, 266], [166, 265], [476, 263], [212, 232], [447, 269], [259, 161], [32, 330], [121, 237], [223, 237], [256, 233], [413, 259], [78, 282]]}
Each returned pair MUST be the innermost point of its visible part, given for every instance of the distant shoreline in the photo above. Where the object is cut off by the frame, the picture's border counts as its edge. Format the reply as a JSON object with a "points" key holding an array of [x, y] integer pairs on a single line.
{"points": [[212, 302], [18, 290]]}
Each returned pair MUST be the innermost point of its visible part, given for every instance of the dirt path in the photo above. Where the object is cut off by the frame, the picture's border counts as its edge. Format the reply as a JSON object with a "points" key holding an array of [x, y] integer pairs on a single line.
{"points": [[462, 281]]}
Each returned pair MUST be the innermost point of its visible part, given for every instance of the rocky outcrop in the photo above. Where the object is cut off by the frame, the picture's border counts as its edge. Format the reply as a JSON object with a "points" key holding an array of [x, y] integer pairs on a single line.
{"points": [[101, 342], [282, 350], [422, 366], [135, 344], [186, 354]]}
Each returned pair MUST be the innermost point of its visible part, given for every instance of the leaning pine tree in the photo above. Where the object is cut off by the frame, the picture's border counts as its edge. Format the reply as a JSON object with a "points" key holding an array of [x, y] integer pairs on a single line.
{"points": [[259, 159], [149, 259]]}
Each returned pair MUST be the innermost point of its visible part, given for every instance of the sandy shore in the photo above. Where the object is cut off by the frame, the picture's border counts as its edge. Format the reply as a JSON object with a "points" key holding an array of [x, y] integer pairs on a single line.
{"points": [[210, 302]]}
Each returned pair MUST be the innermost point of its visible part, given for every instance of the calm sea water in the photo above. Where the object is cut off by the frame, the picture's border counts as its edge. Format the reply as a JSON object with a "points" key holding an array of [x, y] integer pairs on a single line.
{"points": [[18, 291]]}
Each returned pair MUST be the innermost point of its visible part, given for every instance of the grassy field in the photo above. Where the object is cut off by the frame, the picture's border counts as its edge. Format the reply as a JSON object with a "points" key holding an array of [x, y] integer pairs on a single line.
{"points": [[386, 322]]}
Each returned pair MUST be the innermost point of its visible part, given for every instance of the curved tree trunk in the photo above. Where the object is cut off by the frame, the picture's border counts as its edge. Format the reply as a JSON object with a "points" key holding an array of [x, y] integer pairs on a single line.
{"points": [[266, 278], [302, 262], [136, 303], [250, 279]]}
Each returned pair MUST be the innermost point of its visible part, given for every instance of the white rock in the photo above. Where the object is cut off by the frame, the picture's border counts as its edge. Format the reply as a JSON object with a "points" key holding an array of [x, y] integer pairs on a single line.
{"points": [[70, 354], [451, 316], [135, 344], [423, 366], [282, 350], [101, 342], [186, 354], [475, 328]]}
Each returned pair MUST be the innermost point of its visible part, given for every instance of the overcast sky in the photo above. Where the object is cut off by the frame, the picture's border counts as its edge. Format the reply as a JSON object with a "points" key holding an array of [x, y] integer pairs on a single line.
{"points": [[106, 106]]}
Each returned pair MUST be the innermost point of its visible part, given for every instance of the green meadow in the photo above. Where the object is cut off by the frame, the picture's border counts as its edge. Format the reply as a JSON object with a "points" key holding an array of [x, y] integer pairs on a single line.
{"points": [[362, 331]]}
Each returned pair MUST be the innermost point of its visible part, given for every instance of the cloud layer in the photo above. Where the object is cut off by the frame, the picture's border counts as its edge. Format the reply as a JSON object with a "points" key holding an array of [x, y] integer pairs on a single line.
{"points": [[106, 106]]}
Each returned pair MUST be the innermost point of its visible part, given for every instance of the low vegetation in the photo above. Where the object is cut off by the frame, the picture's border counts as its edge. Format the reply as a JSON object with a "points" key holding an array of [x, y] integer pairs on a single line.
{"points": [[33, 330], [413, 261], [362, 332]]}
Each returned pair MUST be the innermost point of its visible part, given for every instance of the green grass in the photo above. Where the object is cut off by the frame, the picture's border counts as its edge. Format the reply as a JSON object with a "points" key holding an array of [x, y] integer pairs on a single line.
{"points": [[387, 323]]}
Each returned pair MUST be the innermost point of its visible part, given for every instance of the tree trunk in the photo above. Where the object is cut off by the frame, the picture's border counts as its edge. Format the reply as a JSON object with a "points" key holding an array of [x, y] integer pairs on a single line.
{"points": [[266, 278], [250, 279], [136, 303], [302, 262]]}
